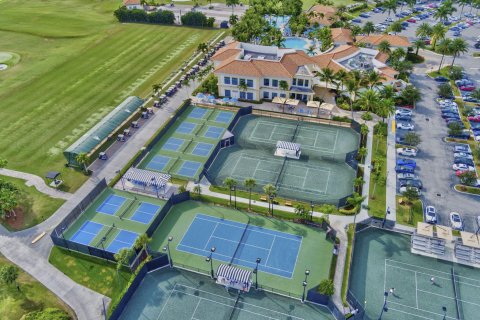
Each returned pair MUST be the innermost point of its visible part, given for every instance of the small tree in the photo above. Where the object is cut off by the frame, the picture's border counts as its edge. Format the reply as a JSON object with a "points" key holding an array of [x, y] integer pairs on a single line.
{"points": [[358, 182], [412, 139], [364, 131], [411, 195], [197, 189], [445, 90], [284, 87], [270, 191], [455, 129], [362, 152], [355, 201], [301, 211], [230, 183], [123, 258], [468, 178], [182, 189], [476, 94], [456, 73], [326, 287], [9, 275], [142, 241], [250, 183], [3, 163], [82, 159]]}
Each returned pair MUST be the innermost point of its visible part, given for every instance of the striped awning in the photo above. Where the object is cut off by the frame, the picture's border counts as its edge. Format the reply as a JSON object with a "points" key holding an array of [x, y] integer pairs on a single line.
{"points": [[288, 145], [146, 177], [233, 273]]}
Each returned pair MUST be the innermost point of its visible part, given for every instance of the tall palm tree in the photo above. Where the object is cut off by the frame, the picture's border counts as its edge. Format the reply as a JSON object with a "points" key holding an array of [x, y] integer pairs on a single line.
{"points": [[384, 47], [424, 30], [82, 159], [369, 100], [230, 183], [373, 78], [444, 47], [364, 131], [271, 192], [396, 27], [326, 75], [419, 44], [352, 85], [142, 241], [388, 92], [457, 47], [232, 3], [368, 28], [355, 201], [362, 152], [390, 5], [285, 88], [438, 32], [385, 108], [250, 183], [340, 78]]}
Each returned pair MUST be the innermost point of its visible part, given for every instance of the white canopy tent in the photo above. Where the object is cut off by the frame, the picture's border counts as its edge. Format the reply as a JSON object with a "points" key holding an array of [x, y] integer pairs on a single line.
{"points": [[234, 277], [146, 177]]}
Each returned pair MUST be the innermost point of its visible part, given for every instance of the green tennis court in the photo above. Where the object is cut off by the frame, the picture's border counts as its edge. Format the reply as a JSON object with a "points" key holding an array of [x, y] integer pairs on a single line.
{"points": [[114, 220], [382, 260], [186, 146], [320, 174], [313, 253], [173, 294]]}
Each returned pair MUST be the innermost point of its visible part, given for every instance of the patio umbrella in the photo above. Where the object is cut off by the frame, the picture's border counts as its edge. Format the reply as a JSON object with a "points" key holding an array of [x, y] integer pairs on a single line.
{"points": [[225, 100], [200, 95]]}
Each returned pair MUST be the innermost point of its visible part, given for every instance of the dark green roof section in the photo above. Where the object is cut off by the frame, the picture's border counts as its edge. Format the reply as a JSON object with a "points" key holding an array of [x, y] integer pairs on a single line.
{"points": [[96, 135]]}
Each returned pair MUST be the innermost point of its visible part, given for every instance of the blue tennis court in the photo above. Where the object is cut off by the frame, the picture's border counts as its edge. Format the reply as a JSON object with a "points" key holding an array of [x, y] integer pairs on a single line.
{"points": [[242, 244], [111, 205], [213, 132], [145, 213], [202, 149], [198, 113], [87, 232], [186, 127], [173, 144], [189, 168], [158, 163], [224, 117], [124, 239]]}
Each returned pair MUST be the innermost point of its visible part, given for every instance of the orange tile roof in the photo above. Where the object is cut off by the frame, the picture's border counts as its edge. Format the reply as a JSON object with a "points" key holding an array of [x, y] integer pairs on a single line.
{"points": [[131, 2], [225, 54], [319, 10], [382, 57], [239, 67], [394, 40], [341, 35]]}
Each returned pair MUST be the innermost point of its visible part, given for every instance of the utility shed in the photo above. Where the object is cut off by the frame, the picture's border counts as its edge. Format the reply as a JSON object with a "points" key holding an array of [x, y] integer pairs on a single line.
{"points": [[96, 136]]}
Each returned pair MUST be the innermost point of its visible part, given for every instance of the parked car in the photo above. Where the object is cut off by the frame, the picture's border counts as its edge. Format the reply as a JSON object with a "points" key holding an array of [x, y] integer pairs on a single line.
{"points": [[441, 79], [408, 152], [412, 20], [404, 169], [405, 188], [403, 117], [474, 118], [451, 121], [456, 221], [462, 148], [411, 183], [405, 126], [403, 112], [407, 162], [431, 215], [467, 88], [462, 155], [406, 176], [357, 20], [462, 167], [468, 162]]}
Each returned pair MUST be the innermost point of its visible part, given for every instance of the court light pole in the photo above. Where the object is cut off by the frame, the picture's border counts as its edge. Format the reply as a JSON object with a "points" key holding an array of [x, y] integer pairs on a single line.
{"points": [[307, 273], [256, 273], [304, 284], [210, 259], [121, 179], [312, 205], [271, 201], [155, 185], [167, 249], [384, 308], [103, 247], [444, 309]]}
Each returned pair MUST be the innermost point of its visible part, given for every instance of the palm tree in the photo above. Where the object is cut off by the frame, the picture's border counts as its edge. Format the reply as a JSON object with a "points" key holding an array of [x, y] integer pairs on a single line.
{"points": [[156, 87], [197, 189], [358, 182], [250, 183], [419, 44], [352, 84], [384, 47], [301, 211], [457, 47], [82, 159], [285, 88], [438, 32], [373, 78], [202, 47], [368, 28], [369, 100], [326, 75], [444, 47], [355, 201], [364, 131], [142, 241], [311, 50], [385, 108], [232, 3], [388, 92], [270, 191], [411, 95], [340, 78], [230, 183], [123, 258], [362, 152], [242, 86], [396, 27], [390, 5], [424, 30]]}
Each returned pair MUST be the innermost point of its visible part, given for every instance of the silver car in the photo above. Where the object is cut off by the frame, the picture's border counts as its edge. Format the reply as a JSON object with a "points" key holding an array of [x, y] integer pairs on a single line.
{"points": [[430, 214]]}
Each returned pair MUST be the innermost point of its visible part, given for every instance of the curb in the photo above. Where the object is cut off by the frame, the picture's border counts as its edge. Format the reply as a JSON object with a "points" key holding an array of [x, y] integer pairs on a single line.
{"points": [[464, 192]]}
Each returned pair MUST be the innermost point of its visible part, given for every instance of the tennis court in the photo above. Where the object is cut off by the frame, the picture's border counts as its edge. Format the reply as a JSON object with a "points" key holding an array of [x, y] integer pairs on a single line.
{"points": [[87, 232], [242, 244], [111, 205], [173, 294], [145, 213], [416, 296], [183, 150], [321, 173], [123, 239]]}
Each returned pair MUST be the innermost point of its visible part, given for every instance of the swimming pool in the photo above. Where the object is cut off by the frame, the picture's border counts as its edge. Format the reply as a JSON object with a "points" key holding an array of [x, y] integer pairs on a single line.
{"points": [[297, 43]]}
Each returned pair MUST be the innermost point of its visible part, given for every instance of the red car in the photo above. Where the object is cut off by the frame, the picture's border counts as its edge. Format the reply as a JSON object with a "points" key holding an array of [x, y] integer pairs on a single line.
{"points": [[458, 173], [411, 20], [474, 118], [427, 42], [467, 88]]}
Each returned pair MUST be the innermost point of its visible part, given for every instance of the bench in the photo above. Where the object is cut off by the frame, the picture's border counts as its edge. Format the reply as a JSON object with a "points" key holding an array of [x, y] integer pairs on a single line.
{"points": [[288, 203], [263, 198]]}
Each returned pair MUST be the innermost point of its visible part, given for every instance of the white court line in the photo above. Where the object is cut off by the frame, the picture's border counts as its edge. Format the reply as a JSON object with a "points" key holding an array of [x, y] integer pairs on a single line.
{"points": [[415, 315], [195, 311], [305, 178], [328, 180], [335, 143], [270, 250], [211, 234], [416, 290], [166, 302], [244, 243], [421, 310], [385, 277], [448, 297]]}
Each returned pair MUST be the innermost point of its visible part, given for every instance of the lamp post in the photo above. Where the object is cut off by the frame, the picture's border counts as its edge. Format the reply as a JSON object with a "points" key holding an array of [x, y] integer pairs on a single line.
{"points": [[384, 308], [304, 284], [312, 205], [271, 201], [155, 185], [307, 273], [167, 249], [210, 259], [121, 179], [234, 190], [103, 247], [444, 309], [256, 273]]}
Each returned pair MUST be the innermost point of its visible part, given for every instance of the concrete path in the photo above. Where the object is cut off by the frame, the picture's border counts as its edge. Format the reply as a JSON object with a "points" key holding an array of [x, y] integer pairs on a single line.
{"points": [[391, 183], [37, 182]]}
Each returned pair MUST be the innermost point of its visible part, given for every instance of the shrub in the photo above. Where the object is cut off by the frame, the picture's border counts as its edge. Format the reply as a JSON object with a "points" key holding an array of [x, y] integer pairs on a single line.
{"points": [[209, 85], [47, 314], [326, 287], [367, 116], [381, 129], [445, 90], [415, 58], [197, 19], [341, 119], [136, 15]]}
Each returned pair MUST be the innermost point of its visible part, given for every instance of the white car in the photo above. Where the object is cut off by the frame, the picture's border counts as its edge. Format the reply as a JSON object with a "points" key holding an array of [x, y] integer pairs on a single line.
{"points": [[408, 152], [456, 221], [462, 167], [407, 176], [403, 112], [404, 189], [462, 155], [405, 126], [430, 214]]}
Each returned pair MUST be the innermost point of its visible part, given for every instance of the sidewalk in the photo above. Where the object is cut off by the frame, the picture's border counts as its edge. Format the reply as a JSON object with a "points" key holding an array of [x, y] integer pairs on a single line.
{"points": [[391, 183]]}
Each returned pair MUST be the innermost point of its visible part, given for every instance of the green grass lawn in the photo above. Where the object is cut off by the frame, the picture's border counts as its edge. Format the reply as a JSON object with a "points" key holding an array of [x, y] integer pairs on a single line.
{"points": [[75, 66], [378, 191], [405, 217], [32, 296], [94, 273], [34, 206], [308, 3]]}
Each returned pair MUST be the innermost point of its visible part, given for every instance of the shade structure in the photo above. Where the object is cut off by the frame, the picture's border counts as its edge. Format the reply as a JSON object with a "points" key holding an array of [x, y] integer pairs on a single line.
{"points": [[313, 104], [288, 145], [425, 229], [444, 233], [293, 102], [52, 175], [234, 274], [327, 106], [147, 178], [200, 95], [470, 239], [279, 100]]}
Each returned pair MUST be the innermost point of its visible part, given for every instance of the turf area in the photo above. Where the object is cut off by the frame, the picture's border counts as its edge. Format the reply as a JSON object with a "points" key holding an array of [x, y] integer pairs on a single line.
{"points": [[32, 296], [34, 206], [315, 253], [378, 191], [382, 260], [76, 66]]}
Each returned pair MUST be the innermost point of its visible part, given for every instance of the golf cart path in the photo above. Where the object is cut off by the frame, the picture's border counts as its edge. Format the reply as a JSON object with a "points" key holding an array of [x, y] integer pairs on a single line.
{"points": [[37, 182]]}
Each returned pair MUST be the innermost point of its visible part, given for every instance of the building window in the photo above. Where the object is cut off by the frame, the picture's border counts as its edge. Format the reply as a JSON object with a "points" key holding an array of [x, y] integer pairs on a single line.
{"points": [[300, 82], [249, 96], [242, 95], [306, 83], [274, 94], [226, 80], [282, 95], [235, 81], [274, 83], [266, 82], [250, 83], [294, 82], [228, 93], [266, 95]]}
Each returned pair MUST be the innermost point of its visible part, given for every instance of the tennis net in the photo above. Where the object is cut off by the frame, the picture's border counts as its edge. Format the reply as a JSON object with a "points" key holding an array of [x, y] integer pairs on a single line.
{"points": [[455, 293], [105, 237], [127, 208], [281, 170], [295, 131], [240, 241], [234, 308]]}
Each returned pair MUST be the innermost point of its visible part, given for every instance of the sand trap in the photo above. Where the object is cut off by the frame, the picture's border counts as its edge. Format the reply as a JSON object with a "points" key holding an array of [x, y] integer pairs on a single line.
{"points": [[5, 56], [3, 66]]}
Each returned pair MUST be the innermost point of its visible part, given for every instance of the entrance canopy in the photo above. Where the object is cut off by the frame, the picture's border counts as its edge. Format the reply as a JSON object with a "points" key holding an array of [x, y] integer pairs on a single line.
{"points": [[444, 233], [313, 104], [470, 239], [425, 229], [279, 100], [147, 178], [288, 145], [327, 106], [234, 277]]}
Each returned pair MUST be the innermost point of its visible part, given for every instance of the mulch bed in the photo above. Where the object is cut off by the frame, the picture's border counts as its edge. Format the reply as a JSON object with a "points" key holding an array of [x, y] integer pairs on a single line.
{"points": [[15, 221]]}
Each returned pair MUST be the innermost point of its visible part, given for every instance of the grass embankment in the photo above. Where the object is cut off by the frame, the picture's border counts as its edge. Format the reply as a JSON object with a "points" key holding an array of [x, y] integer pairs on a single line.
{"points": [[378, 191], [409, 215], [31, 296], [75, 67], [94, 273], [34, 206], [346, 268]]}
